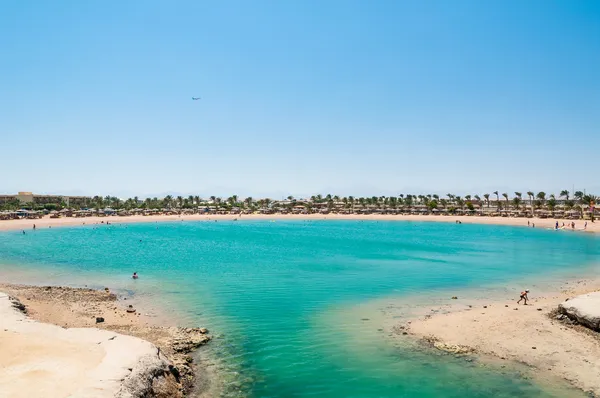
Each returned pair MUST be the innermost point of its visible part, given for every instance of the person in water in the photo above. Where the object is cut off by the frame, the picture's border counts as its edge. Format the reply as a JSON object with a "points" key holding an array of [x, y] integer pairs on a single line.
{"points": [[524, 296], [135, 275]]}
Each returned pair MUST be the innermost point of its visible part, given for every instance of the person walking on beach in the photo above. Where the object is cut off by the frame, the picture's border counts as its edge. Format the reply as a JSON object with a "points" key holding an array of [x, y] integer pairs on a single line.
{"points": [[524, 296]]}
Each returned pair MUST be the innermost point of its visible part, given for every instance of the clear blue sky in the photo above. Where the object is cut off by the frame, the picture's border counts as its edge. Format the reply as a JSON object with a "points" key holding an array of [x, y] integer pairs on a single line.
{"points": [[299, 97]]}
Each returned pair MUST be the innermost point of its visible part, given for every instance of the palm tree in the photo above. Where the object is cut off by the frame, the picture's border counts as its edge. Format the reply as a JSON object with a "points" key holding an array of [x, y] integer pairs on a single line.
{"points": [[487, 199], [590, 201], [564, 193], [497, 199], [505, 195], [530, 194], [542, 197], [551, 203], [517, 202]]}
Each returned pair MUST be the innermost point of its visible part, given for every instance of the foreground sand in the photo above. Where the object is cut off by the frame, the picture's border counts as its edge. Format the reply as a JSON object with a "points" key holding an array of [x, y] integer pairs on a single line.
{"points": [[43, 360], [72, 355], [530, 334], [69, 221]]}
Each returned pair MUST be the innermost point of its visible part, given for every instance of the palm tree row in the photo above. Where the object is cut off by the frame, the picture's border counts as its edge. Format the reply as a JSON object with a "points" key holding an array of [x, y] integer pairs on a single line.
{"points": [[536, 201]]}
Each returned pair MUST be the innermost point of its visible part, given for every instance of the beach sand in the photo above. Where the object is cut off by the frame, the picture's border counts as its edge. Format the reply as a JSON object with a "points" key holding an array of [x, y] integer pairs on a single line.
{"points": [[72, 355], [46, 222], [526, 334]]}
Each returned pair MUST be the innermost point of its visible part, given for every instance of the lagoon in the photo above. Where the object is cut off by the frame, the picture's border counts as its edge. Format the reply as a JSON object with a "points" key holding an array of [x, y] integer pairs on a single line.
{"points": [[303, 308]]}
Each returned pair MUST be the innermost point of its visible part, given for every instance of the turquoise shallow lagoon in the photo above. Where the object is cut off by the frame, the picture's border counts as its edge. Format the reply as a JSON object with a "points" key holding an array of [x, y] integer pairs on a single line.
{"points": [[283, 297]]}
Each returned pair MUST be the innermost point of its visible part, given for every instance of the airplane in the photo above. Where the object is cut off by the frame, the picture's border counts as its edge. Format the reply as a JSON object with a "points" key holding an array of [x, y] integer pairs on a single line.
{"points": [[195, 98]]}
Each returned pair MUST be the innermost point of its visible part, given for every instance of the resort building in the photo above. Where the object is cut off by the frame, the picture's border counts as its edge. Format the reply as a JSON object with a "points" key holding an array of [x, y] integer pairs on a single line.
{"points": [[30, 197]]}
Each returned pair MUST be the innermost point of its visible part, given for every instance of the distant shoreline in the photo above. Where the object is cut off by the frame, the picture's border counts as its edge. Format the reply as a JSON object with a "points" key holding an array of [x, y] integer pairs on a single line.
{"points": [[46, 222]]}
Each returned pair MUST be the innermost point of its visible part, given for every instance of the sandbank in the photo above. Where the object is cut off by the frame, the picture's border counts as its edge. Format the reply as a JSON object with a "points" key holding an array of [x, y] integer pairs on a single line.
{"points": [[45, 222], [532, 334]]}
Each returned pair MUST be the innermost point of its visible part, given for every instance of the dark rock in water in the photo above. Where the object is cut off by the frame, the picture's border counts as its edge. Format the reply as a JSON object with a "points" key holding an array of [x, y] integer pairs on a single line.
{"points": [[404, 333], [485, 306], [364, 319], [99, 319], [203, 330], [454, 298]]}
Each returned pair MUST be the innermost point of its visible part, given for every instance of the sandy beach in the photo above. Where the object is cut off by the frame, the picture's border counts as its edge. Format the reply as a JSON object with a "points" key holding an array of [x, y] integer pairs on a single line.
{"points": [[531, 334], [46, 222], [51, 342]]}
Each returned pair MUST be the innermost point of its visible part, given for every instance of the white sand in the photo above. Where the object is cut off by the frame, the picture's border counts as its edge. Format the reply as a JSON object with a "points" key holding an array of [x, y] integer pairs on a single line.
{"points": [[43, 360], [70, 221]]}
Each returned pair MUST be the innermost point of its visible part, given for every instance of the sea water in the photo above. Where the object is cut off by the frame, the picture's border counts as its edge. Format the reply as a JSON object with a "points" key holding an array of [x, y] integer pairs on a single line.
{"points": [[298, 308]]}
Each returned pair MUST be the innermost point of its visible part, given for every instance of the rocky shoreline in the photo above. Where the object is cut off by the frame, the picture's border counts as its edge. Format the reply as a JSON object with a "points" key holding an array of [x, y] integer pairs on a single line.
{"points": [[171, 373]]}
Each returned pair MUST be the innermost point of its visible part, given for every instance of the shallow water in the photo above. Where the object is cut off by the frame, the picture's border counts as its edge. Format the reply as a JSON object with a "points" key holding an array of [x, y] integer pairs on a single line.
{"points": [[282, 297]]}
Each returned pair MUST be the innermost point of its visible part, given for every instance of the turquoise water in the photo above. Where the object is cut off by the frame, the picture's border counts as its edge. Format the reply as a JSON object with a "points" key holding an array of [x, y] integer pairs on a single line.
{"points": [[299, 307]]}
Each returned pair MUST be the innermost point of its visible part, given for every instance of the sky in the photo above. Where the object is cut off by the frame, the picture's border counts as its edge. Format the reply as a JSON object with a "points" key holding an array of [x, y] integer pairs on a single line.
{"points": [[299, 97]]}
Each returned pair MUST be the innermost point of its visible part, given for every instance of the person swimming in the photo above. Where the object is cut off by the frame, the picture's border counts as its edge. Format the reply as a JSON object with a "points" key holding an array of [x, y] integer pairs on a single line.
{"points": [[135, 275]]}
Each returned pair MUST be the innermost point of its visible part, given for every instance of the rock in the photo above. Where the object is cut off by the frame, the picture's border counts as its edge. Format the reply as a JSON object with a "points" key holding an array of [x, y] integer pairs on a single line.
{"points": [[99, 319], [584, 309], [533, 348], [203, 330], [539, 309], [485, 306], [404, 333], [452, 348], [152, 376], [454, 298], [506, 305]]}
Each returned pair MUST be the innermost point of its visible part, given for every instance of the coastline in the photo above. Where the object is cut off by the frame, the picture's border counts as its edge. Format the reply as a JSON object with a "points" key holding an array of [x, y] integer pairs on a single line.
{"points": [[499, 329], [46, 222], [59, 315]]}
